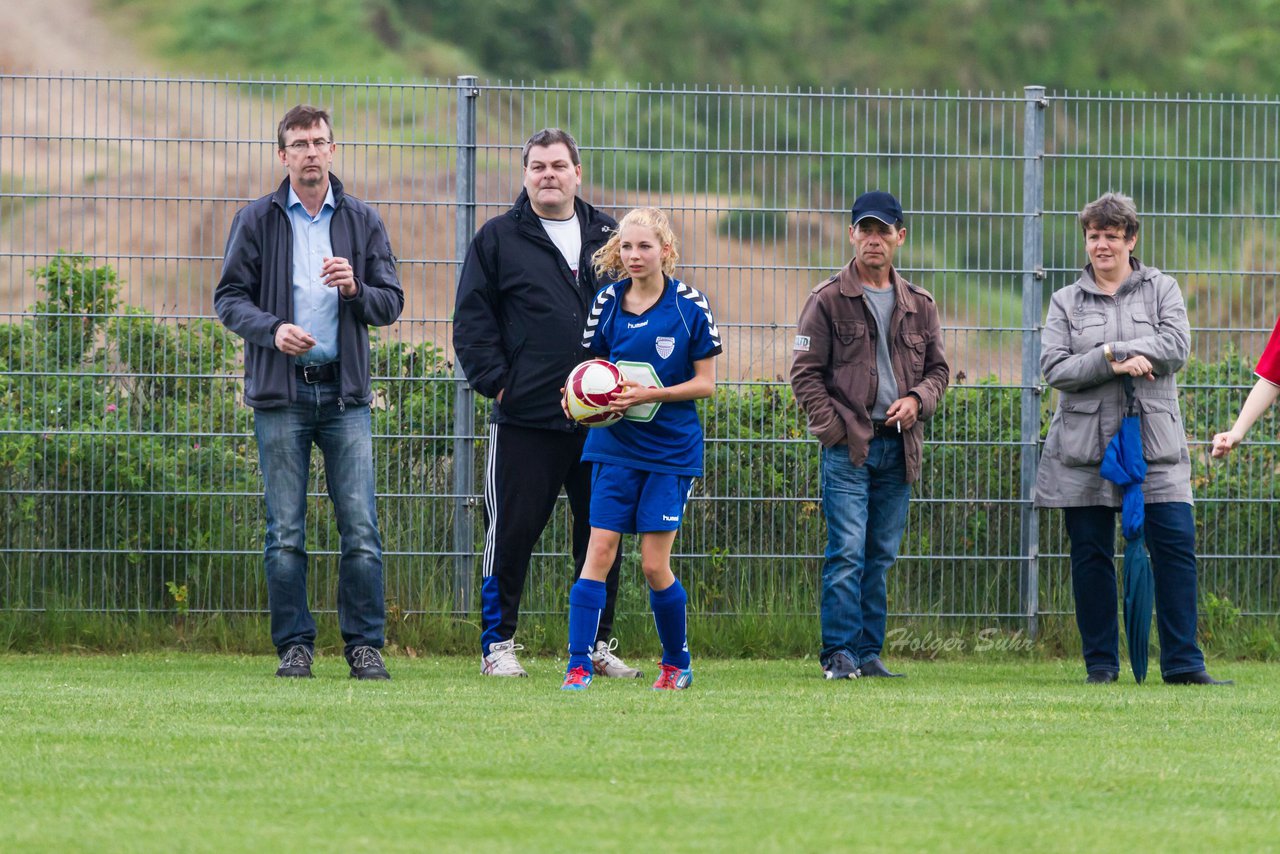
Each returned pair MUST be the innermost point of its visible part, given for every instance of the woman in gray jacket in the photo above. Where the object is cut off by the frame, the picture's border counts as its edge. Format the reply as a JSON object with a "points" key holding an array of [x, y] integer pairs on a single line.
{"points": [[1121, 318]]}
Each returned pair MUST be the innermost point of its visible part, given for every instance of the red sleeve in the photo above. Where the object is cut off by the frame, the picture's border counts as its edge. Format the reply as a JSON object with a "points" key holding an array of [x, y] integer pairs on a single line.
{"points": [[1269, 365]]}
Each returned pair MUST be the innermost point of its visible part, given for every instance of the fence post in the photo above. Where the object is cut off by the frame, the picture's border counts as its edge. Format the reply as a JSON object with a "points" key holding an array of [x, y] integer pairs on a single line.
{"points": [[464, 410], [1032, 307]]}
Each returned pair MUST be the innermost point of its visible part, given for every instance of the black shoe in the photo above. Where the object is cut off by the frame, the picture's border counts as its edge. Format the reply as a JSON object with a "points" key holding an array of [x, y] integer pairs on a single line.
{"points": [[875, 667], [366, 663], [1101, 677], [295, 663], [840, 666], [1200, 677]]}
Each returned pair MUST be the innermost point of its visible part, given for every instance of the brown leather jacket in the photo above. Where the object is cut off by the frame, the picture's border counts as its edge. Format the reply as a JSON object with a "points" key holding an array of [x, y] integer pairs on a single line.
{"points": [[833, 372]]}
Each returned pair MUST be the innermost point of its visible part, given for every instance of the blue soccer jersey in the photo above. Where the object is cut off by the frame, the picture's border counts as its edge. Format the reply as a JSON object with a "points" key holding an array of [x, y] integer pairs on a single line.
{"points": [[659, 345]]}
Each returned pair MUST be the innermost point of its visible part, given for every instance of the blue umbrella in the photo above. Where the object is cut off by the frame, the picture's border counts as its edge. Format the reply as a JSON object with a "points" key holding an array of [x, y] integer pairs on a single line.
{"points": [[1124, 466]]}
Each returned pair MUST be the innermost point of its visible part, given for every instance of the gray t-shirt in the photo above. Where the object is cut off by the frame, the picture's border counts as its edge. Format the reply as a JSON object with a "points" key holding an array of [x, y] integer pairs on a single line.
{"points": [[882, 304]]}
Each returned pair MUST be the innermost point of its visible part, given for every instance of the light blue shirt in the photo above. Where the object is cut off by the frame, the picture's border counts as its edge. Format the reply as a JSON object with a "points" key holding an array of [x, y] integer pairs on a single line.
{"points": [[315, 304]]}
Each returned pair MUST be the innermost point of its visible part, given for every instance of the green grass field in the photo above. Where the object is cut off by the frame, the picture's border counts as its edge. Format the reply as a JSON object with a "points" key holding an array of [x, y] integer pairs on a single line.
{"points": [[186, 752]]}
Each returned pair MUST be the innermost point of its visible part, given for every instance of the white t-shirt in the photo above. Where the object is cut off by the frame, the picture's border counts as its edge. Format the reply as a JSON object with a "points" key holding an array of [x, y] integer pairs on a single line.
{"points": [[567, 236]]}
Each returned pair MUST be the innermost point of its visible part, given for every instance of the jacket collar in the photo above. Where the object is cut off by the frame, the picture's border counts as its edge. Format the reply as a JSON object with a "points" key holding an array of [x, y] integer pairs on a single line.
{"points": [[281, 196], [850, 284], [1137, 273], [587, 215]]}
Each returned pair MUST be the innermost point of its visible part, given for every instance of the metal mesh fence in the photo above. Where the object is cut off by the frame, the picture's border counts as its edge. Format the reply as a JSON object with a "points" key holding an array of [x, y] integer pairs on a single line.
{"points": [[127, 464]]}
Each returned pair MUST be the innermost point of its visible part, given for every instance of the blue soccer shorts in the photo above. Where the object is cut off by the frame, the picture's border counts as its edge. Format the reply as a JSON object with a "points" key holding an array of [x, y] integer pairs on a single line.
{"points": [[632, 501]]}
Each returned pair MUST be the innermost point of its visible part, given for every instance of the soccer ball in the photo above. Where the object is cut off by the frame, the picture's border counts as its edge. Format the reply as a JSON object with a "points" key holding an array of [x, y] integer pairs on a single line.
{"points": [[588, 390]]}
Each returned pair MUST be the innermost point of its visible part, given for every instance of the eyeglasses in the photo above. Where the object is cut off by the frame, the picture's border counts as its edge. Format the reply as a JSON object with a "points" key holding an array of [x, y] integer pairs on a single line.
{"points": [[302, 145]]}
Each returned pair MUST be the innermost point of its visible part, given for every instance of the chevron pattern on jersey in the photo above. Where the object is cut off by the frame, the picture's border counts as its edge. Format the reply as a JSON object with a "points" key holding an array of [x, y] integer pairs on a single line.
{"points": [[593, 319], [696, 296]]}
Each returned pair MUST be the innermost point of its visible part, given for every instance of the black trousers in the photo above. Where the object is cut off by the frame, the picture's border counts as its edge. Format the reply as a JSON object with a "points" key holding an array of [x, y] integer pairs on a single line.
{"points": [[524, 473], [1171, 539]]}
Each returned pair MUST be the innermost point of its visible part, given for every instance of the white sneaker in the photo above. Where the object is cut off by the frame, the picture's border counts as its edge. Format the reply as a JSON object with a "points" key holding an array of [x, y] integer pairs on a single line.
{"points": [[605, 663], [501, 660]]}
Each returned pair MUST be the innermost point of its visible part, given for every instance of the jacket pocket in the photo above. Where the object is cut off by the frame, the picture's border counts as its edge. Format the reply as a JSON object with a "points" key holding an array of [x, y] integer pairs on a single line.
{"points": [[849, 339], [1162, 435], [509, 388], [533, 387], [1080, 432], [1142, 324], [915, 347], [1087, 330]]}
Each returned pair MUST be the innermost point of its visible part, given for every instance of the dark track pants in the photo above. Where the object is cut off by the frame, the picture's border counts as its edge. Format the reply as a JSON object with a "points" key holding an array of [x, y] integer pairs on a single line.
{"points": [[524, 473]]}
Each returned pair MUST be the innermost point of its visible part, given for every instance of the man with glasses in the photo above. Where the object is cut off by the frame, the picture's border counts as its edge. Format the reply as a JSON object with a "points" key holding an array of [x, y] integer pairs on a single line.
{"points": [[307, 270]]}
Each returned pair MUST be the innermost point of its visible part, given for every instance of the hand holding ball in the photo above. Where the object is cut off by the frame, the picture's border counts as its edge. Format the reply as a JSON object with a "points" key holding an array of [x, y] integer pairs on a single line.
{"points": [[588, 391]]}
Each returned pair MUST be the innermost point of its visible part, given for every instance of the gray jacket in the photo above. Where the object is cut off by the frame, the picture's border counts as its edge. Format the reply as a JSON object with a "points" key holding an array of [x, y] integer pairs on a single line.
{"points": [[1146, 316]]}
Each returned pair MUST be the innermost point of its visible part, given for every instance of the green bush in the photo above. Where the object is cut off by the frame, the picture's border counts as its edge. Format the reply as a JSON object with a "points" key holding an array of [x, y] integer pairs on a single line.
{"points": [[129, 475], [80, 299]]}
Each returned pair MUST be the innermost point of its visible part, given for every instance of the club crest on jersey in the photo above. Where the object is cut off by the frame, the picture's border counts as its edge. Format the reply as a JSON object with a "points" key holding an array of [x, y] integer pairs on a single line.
{"points": [[666, 345]]}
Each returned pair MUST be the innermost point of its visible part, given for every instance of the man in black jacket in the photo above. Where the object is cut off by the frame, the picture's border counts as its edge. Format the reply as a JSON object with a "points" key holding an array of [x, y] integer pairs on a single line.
{"points": [[307, 270], [523, 298]]}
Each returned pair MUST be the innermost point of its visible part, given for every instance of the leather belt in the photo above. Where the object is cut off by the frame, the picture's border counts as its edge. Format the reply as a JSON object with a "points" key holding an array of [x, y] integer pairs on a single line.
{"points": [[880, 430], [326, 373]]}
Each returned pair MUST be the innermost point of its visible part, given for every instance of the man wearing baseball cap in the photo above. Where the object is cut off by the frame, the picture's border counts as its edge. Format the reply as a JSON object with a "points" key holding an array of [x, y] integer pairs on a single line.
{"points": [[868, 368]]}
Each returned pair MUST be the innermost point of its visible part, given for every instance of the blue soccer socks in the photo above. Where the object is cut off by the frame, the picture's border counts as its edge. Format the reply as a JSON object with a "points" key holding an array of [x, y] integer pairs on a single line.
{"points": [[669, 616], [586, 602]]}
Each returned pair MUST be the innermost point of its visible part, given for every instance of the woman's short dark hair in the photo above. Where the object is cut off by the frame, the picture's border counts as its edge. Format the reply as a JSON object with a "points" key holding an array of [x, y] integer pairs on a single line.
{"points": [[1111, 210], [303, 116], [551, 136]]}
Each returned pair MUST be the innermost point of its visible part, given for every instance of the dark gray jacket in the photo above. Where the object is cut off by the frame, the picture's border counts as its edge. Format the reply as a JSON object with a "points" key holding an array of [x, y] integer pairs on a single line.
{"points": [[255, 293], [1145, 316]]}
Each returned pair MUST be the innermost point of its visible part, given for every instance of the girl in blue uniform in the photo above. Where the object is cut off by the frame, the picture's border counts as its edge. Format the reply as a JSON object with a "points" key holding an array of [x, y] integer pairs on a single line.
{"points": [[661, 333]]}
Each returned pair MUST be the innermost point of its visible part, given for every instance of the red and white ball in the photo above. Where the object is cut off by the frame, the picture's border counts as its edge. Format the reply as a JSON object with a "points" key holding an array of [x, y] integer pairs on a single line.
{"points": [[589, 389]]}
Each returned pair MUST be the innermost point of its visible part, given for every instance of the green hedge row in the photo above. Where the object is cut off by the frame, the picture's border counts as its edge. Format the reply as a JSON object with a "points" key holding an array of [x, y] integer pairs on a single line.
{"points": [[129, 481]]}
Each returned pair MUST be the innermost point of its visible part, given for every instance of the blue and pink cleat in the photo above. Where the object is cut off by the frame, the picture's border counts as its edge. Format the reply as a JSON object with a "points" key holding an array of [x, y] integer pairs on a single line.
{"points": [[576, 679], [673, 678]]}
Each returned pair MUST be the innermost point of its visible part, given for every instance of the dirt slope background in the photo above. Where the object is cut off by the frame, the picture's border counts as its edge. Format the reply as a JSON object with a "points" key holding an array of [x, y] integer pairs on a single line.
{"points": [[144, 172]]}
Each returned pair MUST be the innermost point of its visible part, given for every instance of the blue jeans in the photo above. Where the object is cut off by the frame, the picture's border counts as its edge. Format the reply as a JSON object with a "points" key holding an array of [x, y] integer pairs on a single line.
{"points": [[1171, 541], [344, 436], [866, 511]]}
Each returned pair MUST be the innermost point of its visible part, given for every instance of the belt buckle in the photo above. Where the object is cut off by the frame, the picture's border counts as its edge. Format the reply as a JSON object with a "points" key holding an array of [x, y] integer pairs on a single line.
{"points": [[311, 374]]}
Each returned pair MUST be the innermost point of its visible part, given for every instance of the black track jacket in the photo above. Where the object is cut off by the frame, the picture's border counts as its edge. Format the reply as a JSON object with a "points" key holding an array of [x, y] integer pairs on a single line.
{"points": [[519, 314]]}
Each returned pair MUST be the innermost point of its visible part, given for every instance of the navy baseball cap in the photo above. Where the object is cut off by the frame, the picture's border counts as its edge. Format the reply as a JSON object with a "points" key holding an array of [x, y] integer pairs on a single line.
{"points": [[879, 204]]}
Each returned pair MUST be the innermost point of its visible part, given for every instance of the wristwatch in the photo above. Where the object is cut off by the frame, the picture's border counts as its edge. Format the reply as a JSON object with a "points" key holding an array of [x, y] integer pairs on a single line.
{"points": [[1106, 351]]}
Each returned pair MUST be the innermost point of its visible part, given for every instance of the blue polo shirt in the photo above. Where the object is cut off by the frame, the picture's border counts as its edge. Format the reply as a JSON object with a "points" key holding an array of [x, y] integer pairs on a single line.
{"points": [[315, 304]]}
